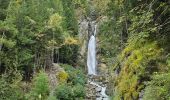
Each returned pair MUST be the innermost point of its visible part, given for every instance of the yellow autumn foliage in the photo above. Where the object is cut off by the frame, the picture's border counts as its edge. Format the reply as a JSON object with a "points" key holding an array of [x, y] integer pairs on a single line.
{"points": [[55, 21], [71, 41], [134, 60], [62, 76]]}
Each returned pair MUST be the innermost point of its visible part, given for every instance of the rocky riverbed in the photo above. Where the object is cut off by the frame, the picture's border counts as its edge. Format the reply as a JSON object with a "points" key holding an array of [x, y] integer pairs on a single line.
{"points": [[96, 88]]}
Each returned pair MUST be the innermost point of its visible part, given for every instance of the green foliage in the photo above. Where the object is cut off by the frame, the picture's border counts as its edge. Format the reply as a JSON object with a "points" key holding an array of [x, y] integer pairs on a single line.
{"points": [[70, 19], [69, 92], [101, 6], [52, 98], [3, 6], [55, 20], [108, 37], [62, 76], [64, 92], [137, 32], [79, 91], [31, 31], [74, 87], [142, 53], [76, 76], [40, 88], [81, 8], [10, 87], [68, 54], [158, 88], [136, 62]]}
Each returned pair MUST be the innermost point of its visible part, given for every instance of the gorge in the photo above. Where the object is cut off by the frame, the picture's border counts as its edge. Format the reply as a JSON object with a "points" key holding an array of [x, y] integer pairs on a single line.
{"points": [[99, 93]]}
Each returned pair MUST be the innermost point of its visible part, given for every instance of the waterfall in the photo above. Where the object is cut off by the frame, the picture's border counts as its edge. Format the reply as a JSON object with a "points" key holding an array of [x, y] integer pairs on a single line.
{"points": [[91, 57], [91, 64]]}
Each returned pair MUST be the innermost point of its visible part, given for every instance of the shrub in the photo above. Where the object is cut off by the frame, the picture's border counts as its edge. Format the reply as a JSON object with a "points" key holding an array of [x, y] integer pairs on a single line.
{"points": [[73, 89], [40, 87], [64, 92], [62, 76], [69, 92], [79, 91], [76, 76], [51, 97]]}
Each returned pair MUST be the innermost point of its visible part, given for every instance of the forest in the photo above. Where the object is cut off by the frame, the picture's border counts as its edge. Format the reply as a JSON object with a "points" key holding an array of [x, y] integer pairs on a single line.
{"points": [[84, 49]]}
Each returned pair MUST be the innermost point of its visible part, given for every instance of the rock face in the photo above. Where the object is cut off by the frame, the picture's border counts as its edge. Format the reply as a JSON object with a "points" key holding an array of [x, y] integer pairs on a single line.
{"points": [[86, 29], [102, 69], [83, 38]]}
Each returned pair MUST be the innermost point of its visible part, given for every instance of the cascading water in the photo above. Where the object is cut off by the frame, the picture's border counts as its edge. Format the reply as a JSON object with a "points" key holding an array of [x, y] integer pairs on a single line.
{"points": [[91, 64], [91, 59]]}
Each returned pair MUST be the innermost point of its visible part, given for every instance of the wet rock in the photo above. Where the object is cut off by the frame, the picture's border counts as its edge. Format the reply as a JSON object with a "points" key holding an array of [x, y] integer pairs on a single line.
{"points": [[98, 89], [141, 95]]}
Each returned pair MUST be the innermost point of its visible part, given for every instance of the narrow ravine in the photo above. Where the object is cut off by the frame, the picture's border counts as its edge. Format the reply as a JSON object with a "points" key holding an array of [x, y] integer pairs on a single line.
{"points": [[96, 87]]}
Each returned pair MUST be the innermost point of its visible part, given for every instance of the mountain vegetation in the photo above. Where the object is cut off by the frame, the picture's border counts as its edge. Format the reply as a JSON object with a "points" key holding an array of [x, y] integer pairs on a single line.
{"points": [[133, 41]]}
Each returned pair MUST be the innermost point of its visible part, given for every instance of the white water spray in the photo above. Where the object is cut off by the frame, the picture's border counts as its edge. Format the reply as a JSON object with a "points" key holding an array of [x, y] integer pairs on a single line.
{"points": [[91, 58]]}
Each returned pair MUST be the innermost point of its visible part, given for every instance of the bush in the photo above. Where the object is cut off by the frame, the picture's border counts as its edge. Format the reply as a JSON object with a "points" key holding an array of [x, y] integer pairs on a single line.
{"points": [[69, 92], [40, 87], [62, 76], [64, 92], [76, 76], [73, 88], [51, 97], [79, 91]]}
